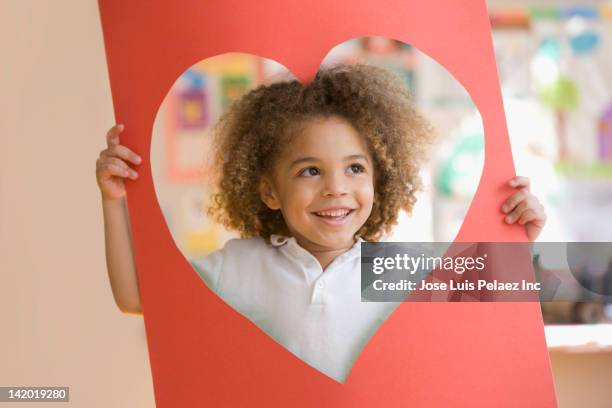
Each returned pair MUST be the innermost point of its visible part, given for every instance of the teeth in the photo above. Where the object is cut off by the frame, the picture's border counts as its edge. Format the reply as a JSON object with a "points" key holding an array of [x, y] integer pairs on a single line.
{"points": [[333, 213]]}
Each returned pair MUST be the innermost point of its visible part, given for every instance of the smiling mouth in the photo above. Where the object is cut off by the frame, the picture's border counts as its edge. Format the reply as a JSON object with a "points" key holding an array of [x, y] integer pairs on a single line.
{"points": [[334, 215]]}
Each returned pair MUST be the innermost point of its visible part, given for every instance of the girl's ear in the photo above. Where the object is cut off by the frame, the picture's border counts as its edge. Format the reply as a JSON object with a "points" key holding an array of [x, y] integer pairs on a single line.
{"points": [[268, 194]]}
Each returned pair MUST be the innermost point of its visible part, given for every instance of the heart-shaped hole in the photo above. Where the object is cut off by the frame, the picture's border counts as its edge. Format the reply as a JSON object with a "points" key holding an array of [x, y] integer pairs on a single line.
{"points": [[275, 281]]}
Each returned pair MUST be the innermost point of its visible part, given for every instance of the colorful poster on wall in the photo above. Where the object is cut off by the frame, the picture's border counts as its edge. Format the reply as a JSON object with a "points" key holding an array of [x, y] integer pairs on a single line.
{"points": [[200, 94]]}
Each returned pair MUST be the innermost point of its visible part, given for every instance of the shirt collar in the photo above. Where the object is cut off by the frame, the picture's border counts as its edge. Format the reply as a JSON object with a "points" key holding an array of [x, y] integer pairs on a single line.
{"points": [[278, 240], [293, 246]]}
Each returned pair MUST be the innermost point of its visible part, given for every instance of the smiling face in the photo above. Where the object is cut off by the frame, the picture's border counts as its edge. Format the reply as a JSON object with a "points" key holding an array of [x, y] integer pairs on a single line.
{"points": [[323, 183]]}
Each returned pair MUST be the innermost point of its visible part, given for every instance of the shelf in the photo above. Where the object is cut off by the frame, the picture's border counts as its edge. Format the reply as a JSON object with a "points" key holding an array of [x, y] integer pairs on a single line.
{"points": [[579, 338]]}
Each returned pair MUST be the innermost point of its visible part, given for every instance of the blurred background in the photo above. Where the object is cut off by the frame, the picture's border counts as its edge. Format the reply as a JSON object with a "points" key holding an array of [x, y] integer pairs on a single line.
{"points": [[61, 325]]}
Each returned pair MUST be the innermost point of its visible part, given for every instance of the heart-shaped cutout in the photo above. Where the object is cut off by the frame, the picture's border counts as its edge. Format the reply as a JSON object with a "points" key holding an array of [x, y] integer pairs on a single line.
{"points": [[274, 281]]}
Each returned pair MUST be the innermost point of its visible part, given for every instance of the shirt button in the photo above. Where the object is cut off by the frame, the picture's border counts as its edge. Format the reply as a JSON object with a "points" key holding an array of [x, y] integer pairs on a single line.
{"points": [[320, 284]]}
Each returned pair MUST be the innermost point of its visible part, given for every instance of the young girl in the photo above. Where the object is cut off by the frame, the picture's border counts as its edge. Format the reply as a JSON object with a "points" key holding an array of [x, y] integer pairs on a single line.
{"points": [[306, 173]]}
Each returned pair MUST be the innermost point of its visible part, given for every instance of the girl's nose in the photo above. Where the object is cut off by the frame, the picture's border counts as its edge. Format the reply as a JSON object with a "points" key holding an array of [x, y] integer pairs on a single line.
{"points": [[335, 184]]}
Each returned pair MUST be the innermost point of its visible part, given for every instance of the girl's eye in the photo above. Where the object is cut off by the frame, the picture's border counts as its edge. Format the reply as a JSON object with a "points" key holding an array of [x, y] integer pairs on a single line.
{"points": [[309, 171], [357, 168]]}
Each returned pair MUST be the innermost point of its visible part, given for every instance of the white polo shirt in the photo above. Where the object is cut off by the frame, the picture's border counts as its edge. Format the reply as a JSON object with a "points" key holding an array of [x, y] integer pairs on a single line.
{"points": [[281, 287]]}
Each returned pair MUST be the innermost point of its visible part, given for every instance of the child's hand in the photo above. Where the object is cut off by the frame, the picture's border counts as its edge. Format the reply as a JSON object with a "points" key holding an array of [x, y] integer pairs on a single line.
{"points": [[111, 168], [525, 208]]}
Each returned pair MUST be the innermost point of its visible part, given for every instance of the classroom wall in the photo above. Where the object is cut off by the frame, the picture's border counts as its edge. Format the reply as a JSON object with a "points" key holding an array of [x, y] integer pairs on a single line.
{"points": [[60, 325]]}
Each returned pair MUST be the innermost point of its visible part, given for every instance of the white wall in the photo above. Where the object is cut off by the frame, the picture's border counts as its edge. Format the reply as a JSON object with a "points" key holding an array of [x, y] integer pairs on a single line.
{"points": [[59, 323]]}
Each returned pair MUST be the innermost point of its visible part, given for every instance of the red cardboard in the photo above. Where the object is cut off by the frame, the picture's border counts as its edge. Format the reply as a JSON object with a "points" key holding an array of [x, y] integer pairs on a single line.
{"points": [[204, 353]]}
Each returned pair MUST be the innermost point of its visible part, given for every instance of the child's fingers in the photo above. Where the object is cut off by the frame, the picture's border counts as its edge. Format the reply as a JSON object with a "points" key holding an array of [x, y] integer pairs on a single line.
{"points": [[535, 212], [119, 167], [123, 153], [517, 212], [112, 136], [520, 181], [120, 163], [514, 200], [527, 216], [108, 170]]}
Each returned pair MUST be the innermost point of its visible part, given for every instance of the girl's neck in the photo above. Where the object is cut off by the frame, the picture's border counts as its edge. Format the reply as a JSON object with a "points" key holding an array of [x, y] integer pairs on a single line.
{"points": [[325, 256]]}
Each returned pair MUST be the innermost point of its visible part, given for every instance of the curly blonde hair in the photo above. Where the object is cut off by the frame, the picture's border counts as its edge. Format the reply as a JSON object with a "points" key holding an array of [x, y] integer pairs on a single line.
{"points": [[251, 134]]}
